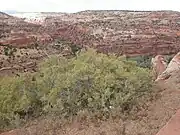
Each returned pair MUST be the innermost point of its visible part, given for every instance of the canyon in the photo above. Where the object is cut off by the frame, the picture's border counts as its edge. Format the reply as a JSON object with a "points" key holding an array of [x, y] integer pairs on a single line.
{"points": [[130, 33], [121, 32], [28, 38]]}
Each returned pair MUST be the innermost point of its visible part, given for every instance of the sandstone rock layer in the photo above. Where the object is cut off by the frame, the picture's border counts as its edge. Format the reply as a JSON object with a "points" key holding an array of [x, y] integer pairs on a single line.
{"points": [[173, 67], [121, 32]]}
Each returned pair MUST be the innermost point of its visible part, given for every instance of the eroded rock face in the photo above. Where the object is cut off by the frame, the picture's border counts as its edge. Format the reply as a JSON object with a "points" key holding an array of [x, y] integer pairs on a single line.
{"points": [[121, 32], [173, 66], [159, 65]]}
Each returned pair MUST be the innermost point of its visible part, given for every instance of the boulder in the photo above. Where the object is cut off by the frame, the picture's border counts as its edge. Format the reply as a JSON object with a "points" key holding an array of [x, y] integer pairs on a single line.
{"points": [[173, 66], [159, 65]]}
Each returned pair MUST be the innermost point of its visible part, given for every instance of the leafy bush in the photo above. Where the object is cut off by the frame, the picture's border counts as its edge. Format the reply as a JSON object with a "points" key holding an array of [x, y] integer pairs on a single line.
{"points": [[91, 81], [18, 97]]}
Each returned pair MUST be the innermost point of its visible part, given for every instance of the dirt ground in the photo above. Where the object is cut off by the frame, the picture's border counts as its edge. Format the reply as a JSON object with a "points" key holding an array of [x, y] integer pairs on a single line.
{"points": [[147, 121]]}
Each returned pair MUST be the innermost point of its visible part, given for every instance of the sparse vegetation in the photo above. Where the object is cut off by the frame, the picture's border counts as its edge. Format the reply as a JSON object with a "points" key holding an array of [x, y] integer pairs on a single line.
{"points": [[169, 58], [9, 50], [92, 82], [90, 86], [142, 61], [145, 61], [62, 44]]}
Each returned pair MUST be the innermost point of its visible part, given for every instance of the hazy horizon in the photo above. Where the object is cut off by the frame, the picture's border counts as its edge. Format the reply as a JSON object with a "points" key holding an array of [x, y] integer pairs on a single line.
{"points": [[15, 11], [70, 6]]}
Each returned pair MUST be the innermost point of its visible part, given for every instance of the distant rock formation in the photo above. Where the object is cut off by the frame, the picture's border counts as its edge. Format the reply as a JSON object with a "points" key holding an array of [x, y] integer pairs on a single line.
{"points": [[120, 32]]}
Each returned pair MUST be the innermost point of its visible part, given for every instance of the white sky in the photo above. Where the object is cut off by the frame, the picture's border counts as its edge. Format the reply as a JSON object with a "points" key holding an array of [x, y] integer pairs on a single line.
{"points": [[79, 5]]}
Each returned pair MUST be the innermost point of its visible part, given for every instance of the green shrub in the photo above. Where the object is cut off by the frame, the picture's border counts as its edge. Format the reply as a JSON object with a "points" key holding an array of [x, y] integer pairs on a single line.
{"points": [[91, 81], [18, 97]]}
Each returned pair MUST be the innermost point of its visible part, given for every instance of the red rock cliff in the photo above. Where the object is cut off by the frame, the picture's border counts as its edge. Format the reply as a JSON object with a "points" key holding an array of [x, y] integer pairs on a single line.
{"points": [[121, 32]]}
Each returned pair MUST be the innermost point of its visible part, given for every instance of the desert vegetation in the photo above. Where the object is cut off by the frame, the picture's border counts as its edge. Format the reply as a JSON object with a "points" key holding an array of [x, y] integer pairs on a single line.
{"points": [[142, 61], [46, 79], [90, 82]]}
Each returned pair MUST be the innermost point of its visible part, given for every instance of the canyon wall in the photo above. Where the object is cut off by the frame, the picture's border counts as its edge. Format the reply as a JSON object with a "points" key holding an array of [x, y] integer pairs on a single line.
{"points": [[121, 32]]}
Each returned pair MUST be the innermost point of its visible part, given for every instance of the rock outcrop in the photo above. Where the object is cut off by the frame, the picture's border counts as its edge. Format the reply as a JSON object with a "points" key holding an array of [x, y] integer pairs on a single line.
{"points": [[159, 65], [173, 67]]}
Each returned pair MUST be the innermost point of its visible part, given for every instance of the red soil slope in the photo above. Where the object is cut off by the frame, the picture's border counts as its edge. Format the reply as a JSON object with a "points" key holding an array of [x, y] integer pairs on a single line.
{"points": [[172, 127]]}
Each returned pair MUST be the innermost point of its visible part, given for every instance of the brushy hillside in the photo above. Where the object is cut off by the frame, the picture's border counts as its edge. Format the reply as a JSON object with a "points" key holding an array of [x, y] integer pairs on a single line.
{"points": [[93, 82]]}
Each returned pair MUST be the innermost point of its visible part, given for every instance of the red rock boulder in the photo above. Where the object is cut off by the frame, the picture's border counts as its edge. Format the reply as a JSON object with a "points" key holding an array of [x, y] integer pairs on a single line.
{"points": [[159, 65], [173, 66]]}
